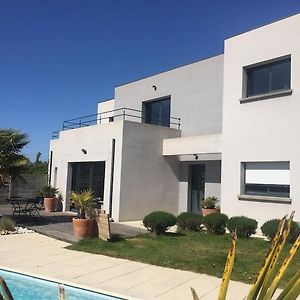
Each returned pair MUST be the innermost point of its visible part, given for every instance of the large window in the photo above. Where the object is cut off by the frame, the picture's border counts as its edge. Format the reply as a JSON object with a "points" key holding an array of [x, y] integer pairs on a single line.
{"points": [[269, 77], [158, 112], [88, 175], [267, 179]]}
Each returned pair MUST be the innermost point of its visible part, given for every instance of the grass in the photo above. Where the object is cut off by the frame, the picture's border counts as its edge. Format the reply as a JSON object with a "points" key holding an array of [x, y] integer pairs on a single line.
{"points": [[192, 251]]}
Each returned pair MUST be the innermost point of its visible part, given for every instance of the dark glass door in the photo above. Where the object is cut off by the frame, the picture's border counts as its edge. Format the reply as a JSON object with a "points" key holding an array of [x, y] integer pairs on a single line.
{"points": [[88, 175], [197, 187], [158, 112]]}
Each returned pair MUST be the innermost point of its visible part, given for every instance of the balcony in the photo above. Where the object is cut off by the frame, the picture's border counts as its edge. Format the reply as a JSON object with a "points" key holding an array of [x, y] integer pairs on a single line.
{"points": [[124, 113]]}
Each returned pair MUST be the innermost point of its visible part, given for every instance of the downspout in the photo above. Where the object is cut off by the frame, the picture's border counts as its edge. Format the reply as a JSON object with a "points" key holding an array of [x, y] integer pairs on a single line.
{"points": [[50, 167], [112, 168]]}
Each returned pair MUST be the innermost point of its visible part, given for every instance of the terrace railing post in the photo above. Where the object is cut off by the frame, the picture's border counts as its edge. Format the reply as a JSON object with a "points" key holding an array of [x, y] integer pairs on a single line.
{"points": [[123, 114], [178, 123]]}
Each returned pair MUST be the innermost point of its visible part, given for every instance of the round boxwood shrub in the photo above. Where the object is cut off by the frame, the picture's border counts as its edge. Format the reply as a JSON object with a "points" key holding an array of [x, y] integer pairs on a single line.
{"points": [[244, 226], [159, 221], [189, 221], [215, 223], [269, 229]]}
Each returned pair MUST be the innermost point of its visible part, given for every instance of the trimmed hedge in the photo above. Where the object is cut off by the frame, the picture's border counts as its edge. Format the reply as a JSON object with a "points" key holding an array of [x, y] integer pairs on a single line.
{"points": [[215, 223], [270, 227], [189, 221], [244, 226], [159, 221]]}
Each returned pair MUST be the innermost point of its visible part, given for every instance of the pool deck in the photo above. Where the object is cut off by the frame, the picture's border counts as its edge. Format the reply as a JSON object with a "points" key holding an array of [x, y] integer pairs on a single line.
{"points": [[43, 256]]}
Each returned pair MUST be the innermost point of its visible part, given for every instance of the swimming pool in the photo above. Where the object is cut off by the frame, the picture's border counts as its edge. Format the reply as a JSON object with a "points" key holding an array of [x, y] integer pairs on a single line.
{"points": [[24, 287]]}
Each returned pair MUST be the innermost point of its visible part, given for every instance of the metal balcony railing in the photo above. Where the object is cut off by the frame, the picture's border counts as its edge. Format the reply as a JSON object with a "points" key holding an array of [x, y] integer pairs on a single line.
{"points": [[118, 114]]}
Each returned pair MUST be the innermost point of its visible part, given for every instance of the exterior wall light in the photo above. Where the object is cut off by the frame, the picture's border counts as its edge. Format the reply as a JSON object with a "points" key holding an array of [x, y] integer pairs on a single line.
{"points": [[196, 156], [154, 87], [84, 151]]}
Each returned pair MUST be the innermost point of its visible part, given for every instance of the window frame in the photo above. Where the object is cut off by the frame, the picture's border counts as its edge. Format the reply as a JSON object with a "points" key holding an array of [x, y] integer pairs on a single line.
{"points": [[268, 196], [145, 107], [246, 97]]}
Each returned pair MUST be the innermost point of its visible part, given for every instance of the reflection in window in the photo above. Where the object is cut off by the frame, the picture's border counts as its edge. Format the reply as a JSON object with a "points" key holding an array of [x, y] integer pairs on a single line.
{"points": [[268, 78]]}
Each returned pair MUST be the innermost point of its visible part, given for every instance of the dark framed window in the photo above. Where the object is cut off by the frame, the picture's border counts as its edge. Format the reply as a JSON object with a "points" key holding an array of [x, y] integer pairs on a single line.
{"points": [[269, 77], [88, 175], [266, 179], [157, 112], [274, 190]]}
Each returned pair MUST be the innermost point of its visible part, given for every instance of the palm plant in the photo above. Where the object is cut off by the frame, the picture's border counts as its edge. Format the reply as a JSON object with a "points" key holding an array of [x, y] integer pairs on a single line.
{"points": [[12, 162], [81, 201]]}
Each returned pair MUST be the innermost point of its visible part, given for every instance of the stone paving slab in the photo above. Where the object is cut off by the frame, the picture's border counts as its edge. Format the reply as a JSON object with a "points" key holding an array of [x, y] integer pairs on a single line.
{"points": [[42, 256]]}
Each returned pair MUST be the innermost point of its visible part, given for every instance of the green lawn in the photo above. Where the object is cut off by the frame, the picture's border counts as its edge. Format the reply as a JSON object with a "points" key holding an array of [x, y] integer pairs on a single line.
{"points": [[197, 252]]}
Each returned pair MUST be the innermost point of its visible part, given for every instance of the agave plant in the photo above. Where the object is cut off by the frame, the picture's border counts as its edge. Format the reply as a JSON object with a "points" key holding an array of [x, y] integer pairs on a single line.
{"points": [[81, 201], [268, 279], [4, 290]]}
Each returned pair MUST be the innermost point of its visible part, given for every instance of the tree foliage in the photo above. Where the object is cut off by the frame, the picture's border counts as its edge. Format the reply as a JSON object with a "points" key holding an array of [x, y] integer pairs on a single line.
{"points": [[12, 162], [38, 167]]}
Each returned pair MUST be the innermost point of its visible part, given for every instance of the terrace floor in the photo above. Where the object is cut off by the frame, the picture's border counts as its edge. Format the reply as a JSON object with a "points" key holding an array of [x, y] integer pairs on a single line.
{"points": [[59, 225], [41, 256]]}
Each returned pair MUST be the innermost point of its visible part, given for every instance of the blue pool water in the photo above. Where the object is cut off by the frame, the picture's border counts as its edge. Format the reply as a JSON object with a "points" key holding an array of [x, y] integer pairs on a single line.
{"points": [[25, 287]]}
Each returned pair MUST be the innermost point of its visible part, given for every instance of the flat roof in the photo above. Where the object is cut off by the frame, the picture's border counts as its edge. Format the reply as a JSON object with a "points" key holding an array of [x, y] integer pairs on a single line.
{"points": [[263, 25]]}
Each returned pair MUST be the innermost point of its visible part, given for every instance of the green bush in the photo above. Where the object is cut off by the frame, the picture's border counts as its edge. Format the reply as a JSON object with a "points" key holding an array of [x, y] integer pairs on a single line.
{"points": [[7, 224], [270, 227], [189, 221], [244, 226], [159, 221], [215, 223]]}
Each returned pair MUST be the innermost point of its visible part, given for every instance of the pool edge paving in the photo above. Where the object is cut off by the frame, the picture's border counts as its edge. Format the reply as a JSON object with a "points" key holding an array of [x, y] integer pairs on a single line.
{"points": [[107, 275]]}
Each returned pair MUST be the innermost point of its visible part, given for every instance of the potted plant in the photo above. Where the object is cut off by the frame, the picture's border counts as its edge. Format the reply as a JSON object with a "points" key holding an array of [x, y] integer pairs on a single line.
{"points": [[209, 205], [49, 193], [83, 227]]}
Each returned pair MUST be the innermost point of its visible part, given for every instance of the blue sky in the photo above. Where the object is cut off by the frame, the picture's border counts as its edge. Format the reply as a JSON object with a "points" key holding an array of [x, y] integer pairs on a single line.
{"points": [[59, 58]]}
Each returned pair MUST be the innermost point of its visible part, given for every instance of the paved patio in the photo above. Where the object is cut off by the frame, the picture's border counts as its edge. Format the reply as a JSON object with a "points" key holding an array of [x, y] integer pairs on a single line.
{"points": [[39, 255], [59, 225]]}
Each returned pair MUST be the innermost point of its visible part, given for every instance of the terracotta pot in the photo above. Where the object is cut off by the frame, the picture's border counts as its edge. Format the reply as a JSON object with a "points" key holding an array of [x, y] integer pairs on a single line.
{"points": [[50, 204], [208, 211], [83, 228]]}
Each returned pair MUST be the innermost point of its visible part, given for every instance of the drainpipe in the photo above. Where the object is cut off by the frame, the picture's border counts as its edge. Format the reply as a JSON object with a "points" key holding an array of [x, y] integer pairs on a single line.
{"points": [[112, 168], [50, 167]]}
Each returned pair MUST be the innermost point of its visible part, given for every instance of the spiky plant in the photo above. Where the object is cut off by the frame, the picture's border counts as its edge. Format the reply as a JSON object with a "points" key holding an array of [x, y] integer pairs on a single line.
{"points": [[12, 162], [268, 278], [82, 200]]}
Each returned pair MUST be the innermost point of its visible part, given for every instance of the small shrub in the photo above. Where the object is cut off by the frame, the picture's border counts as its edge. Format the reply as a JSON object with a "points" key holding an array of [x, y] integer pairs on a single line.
{"points": [[269, 230], [159, 221], [189, 221], [7, 224], [244, 226], [215, 223]]}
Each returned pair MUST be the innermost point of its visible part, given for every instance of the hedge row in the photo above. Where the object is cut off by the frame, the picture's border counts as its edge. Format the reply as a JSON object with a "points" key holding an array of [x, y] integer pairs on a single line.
{"points": [[159, 222]]}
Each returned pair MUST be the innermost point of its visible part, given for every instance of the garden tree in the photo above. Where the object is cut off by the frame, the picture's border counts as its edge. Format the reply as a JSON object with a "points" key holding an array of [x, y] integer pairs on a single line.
{"points": [[38, 166], [12, 162]]}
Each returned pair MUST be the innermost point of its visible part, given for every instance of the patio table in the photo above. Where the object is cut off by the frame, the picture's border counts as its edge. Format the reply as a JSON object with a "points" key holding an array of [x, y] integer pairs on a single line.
{"points": [[24, 206]]}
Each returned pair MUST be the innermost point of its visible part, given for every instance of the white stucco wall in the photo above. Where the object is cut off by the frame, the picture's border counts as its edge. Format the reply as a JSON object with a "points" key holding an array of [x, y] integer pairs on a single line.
{"points": [[149, 181], [105, 109], [97, 140], [195, 90], [266, 130]]}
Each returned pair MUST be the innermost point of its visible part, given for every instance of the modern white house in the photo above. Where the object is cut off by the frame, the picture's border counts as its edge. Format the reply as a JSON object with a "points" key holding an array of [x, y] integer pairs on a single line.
{"points": [[226, 126]]}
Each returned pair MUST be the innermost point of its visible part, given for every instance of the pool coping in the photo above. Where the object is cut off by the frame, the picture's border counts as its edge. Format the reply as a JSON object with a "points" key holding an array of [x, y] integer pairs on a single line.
{"points": [[68, 283]]}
